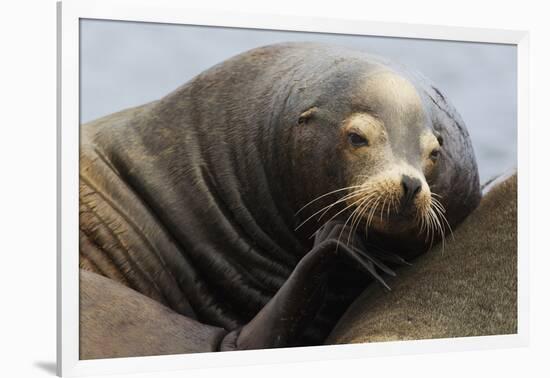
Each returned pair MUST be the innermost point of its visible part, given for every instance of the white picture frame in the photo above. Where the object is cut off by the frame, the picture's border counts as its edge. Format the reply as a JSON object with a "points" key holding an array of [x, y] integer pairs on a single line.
{"points": [[69, 14]]}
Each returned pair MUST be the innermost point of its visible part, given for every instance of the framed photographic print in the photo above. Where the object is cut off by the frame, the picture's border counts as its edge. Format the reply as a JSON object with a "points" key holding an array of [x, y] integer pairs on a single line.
{"points": [[274, 189]]}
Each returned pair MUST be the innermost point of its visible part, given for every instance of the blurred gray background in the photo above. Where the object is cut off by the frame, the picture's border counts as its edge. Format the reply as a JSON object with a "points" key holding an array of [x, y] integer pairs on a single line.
{"points": [[124, 64]]}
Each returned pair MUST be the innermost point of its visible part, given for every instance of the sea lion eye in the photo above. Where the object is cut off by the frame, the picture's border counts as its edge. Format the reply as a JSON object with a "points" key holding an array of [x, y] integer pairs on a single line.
{"points": [[357, 140], [434, 154]]}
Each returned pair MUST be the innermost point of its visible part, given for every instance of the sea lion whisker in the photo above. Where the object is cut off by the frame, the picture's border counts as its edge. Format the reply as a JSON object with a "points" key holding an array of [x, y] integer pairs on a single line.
{"points": [[441, 228], [345, 198], [429, 221], [356, 219], [365, 208], [434, 227], [368, 206], [335, 215], [375, 207], [438, 227], [353, 217], [373, 210], [348, 197], [387, 198], [428, 225], [372, 200], [394, 203], [438, 204], [444, 218], [390, 205], [326, 208], [371, 215], [326, 194], [370, 268], [441, 211], [433, 221], [438, 208], [419, 220], [362, 207], [374, 259], [370, 263], [445, 222], [396, 208], [346, 222], [383, 206]]}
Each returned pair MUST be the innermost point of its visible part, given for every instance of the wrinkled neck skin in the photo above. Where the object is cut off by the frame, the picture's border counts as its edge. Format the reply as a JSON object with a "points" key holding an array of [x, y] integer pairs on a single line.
{"points": [[218, 184]]}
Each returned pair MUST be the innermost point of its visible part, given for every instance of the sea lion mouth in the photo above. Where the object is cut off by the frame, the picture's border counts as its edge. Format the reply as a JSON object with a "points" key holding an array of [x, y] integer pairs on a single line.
{"points": [[386, 211], [426, 216], [385, 217]]}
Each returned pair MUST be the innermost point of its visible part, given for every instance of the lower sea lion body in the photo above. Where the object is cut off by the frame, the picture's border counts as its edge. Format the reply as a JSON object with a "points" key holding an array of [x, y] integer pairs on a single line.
{"points": [[262, 196]]}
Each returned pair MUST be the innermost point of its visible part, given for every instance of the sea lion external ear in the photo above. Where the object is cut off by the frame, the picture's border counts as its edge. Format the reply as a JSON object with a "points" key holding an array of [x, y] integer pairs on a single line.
{"points": [[306, 116], [439, 137]]}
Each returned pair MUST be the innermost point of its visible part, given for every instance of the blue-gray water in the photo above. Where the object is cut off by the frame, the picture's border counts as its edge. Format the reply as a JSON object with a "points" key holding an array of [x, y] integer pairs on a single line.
{"points": [[124, 64]]}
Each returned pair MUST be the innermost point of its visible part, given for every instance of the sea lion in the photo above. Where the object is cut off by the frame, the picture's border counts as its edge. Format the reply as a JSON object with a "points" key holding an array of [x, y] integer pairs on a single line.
{"points": [[116, 321], [255, 197]]}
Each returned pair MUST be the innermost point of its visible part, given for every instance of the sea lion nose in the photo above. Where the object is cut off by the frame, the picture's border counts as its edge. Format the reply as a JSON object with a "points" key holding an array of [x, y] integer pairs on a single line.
{"points": [[411, 187]]}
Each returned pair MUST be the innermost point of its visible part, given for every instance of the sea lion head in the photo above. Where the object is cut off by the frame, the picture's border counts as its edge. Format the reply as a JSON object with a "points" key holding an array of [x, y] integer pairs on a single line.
{"points": [[380, 140], [390, 155]]}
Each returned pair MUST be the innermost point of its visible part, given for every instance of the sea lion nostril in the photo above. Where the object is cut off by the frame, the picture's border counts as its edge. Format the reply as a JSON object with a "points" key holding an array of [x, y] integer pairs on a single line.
{"points": [[411, 187]]}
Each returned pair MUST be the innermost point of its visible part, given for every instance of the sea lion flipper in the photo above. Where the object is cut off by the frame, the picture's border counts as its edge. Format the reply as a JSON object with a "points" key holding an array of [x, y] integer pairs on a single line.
{"points": [[286, 315]]}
